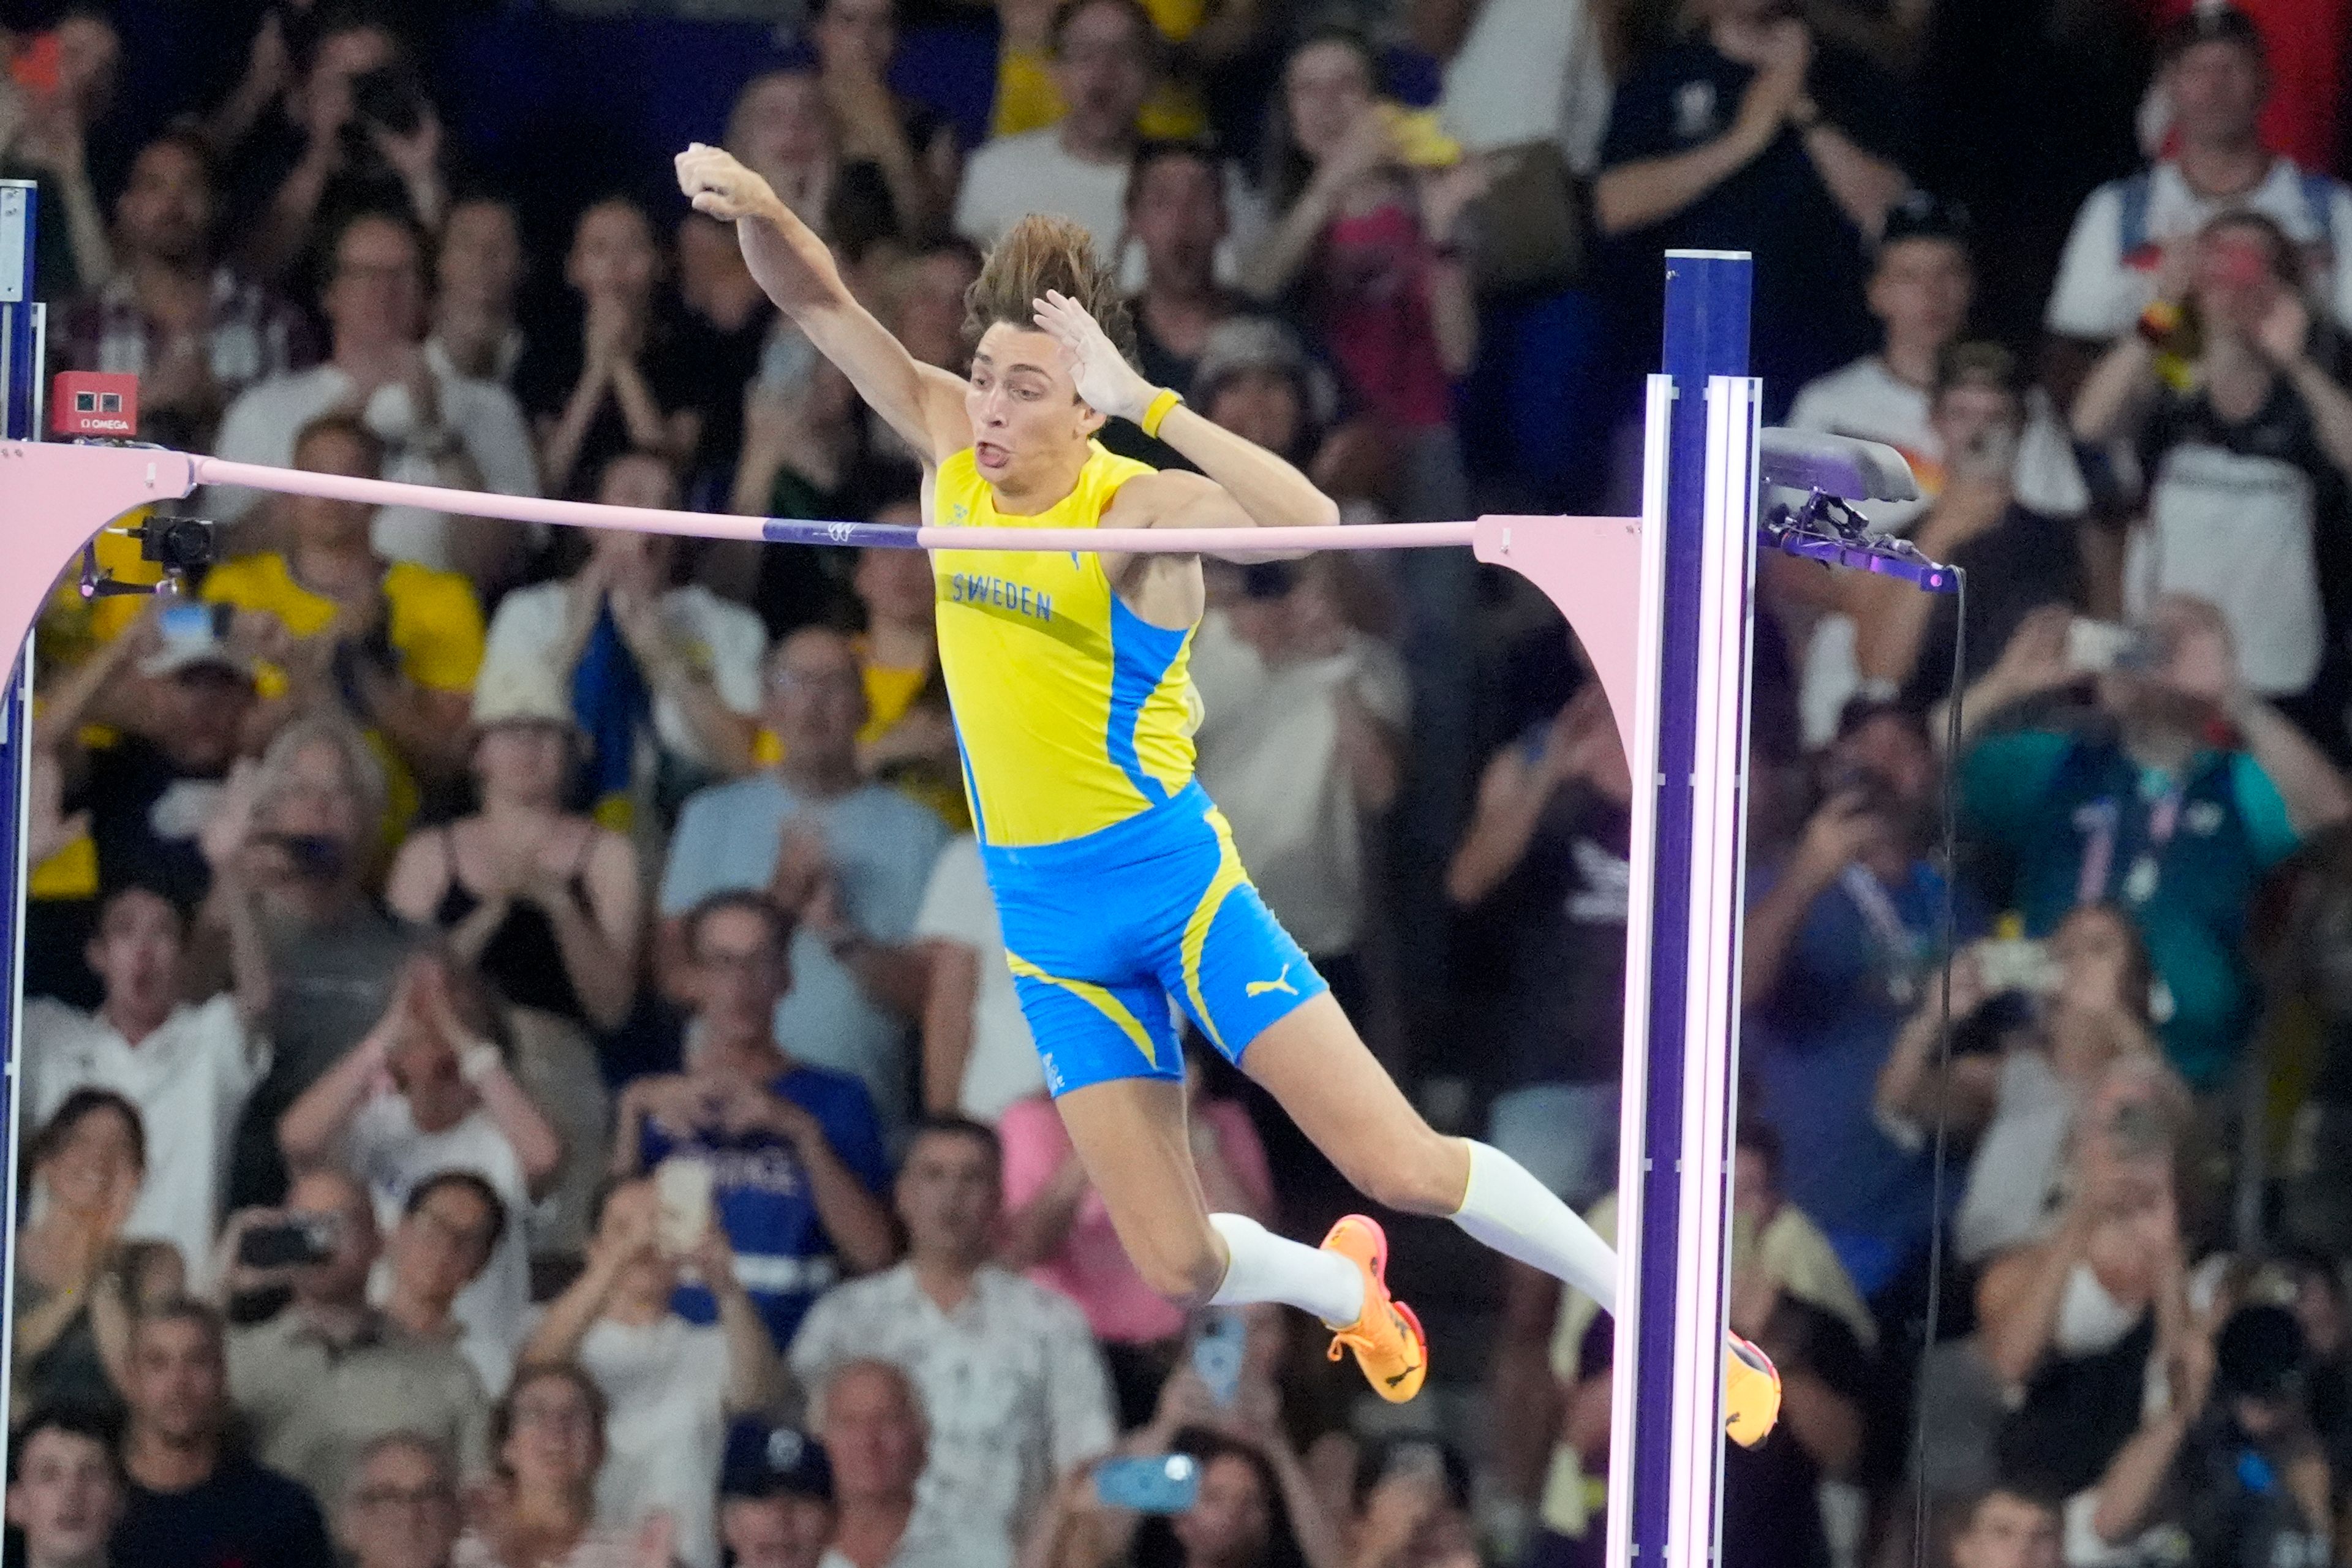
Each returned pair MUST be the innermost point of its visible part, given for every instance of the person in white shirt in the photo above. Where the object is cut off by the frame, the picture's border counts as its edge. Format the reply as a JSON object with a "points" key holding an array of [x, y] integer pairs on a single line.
{"points": [[428, 1091], [1105, 58], [189, 1070], [441, 428], [669, 1386], [1302, 743], [2130, 234], [698, 654], [978, 1055], [1013, 1384], [1922, 282], [869, 1416]]}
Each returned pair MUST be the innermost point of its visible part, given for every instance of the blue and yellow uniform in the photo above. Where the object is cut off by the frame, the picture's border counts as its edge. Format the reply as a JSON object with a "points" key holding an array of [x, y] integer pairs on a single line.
{"points": [[1114, 875]]}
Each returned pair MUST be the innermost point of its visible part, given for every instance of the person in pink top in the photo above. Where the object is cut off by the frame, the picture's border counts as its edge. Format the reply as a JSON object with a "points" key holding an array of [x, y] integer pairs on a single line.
{"points": [[1058, 1228]]}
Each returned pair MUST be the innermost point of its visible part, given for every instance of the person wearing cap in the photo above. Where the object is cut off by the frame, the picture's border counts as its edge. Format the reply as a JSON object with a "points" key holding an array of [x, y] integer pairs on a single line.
{"points": [[189, 1070], [669, 1386], [775, 1497], [545, 903], [2228, 1464], [2127, 258], [393, 645]]}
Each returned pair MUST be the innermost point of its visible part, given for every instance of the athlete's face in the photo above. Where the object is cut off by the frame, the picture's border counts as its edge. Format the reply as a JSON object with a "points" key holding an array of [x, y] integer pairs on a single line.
{"points": [[1027, 422]]}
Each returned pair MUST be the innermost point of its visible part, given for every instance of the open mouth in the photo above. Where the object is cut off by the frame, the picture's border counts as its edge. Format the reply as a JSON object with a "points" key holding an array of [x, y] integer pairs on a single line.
{"points": [[989, 456]]}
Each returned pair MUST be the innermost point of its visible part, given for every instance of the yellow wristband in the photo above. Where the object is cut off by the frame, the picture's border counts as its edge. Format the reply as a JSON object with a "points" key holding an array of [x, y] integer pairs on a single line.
{"points": [[1152, 416]]}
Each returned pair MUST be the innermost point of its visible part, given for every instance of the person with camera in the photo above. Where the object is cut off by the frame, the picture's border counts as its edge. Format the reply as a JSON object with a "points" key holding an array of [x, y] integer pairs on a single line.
{"points": [[329, 1375], [1841, 937], [355, 130], [429, 1090], [2174, 807], [669, 1386]]}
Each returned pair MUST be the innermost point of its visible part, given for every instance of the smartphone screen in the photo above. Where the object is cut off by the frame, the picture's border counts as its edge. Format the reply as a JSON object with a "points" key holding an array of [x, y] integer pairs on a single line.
{"points": [[1163, 1483], [682, 1188]]}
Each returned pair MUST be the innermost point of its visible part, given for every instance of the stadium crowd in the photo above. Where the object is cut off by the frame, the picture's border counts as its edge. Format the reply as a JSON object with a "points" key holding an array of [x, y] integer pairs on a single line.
{"points": [[520, 1068]]}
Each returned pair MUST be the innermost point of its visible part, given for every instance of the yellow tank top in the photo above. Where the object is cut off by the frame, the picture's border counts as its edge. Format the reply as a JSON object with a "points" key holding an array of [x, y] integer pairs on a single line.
{"points": [[1073, 712]]}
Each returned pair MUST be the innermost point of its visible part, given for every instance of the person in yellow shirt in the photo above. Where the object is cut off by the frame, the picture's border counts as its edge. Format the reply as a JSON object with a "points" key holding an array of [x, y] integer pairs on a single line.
{"points": [[394, 646], [1114, 875]]}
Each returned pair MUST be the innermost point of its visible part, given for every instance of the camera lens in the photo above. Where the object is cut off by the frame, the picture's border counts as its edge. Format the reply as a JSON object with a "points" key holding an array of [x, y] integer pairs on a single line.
{"points": [[178, 543]]}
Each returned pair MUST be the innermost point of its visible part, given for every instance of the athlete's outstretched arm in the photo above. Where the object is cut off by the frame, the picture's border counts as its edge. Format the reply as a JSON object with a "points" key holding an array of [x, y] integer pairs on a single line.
{"points": [[1246, 486], [922, 403]]}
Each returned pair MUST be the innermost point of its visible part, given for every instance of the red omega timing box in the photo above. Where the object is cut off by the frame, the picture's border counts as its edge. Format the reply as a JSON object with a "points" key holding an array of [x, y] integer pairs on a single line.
{"points": [[94, 402]]}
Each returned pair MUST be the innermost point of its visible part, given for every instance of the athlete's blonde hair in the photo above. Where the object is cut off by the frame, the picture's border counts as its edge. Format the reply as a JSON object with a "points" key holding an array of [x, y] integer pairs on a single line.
{"points": [[1040, 253]]}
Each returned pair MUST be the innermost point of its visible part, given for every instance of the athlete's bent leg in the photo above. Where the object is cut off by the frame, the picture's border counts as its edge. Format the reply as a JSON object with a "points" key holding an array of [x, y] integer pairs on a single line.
{"points": [[1328, 1081], [1314, 1064], [1130, 1135]]}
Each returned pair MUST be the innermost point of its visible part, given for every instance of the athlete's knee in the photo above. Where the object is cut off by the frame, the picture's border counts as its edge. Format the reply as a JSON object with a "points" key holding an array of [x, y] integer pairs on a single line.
{"points": [[1426, 1174], [1186, 1269]]}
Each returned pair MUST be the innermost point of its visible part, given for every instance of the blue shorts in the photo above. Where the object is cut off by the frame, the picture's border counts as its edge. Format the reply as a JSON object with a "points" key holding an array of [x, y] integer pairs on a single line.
{"points": [[1108, 934]]}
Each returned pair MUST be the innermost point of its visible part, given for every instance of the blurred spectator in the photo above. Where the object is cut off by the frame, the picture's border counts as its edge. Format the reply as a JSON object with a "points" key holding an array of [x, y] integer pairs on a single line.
{"points": [[1105, 57], [438, 428], [718, 294], [400, 1510], [393, 644], [546, 905], [1922, 281], [193, 332], [1243, 1517], [1839, 938], [1013, 1388], [803, 443], [2230, 1462], [355, 132], [65, 1489], [2246, 462], [775, 1499], [870, 1419], [1369, 246], [664, 680], [845, 860], [1520, 75], [1176, 214], [922, 302], [449, 1232], [186, 1070], [2128, 251], [909, 740], [1748, 135], [2007, 1529], [328, 1375], [914, 148], [669, 1386], [547, 1440], [978, 1059], [794, 1151], [302, 851], [1302, 747], [1059, 1229], [1255, 378], [630, 376], [429, 1090], [178, 702], [2017, 558], [195, 1498], [477, 269], [74, 1295], [1778, 1253], [2314, 946], [60, 87], [2054, 1038], [1545, 858], [783, 127], [1413, 1508], [2158, 817]]}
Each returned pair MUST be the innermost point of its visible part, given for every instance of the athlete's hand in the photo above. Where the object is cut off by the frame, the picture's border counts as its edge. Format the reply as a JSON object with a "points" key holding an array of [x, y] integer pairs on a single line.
{"points": [[1105, 381], [720, 186]]}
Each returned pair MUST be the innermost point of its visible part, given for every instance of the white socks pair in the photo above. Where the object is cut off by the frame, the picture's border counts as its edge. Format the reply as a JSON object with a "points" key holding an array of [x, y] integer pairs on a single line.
{"points": [[1504, 1208]]}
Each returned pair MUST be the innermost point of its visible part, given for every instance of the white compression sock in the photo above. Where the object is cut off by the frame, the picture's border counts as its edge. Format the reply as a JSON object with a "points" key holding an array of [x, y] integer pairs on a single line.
{"points": [[1520, 1217], [1264, 1267]]}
